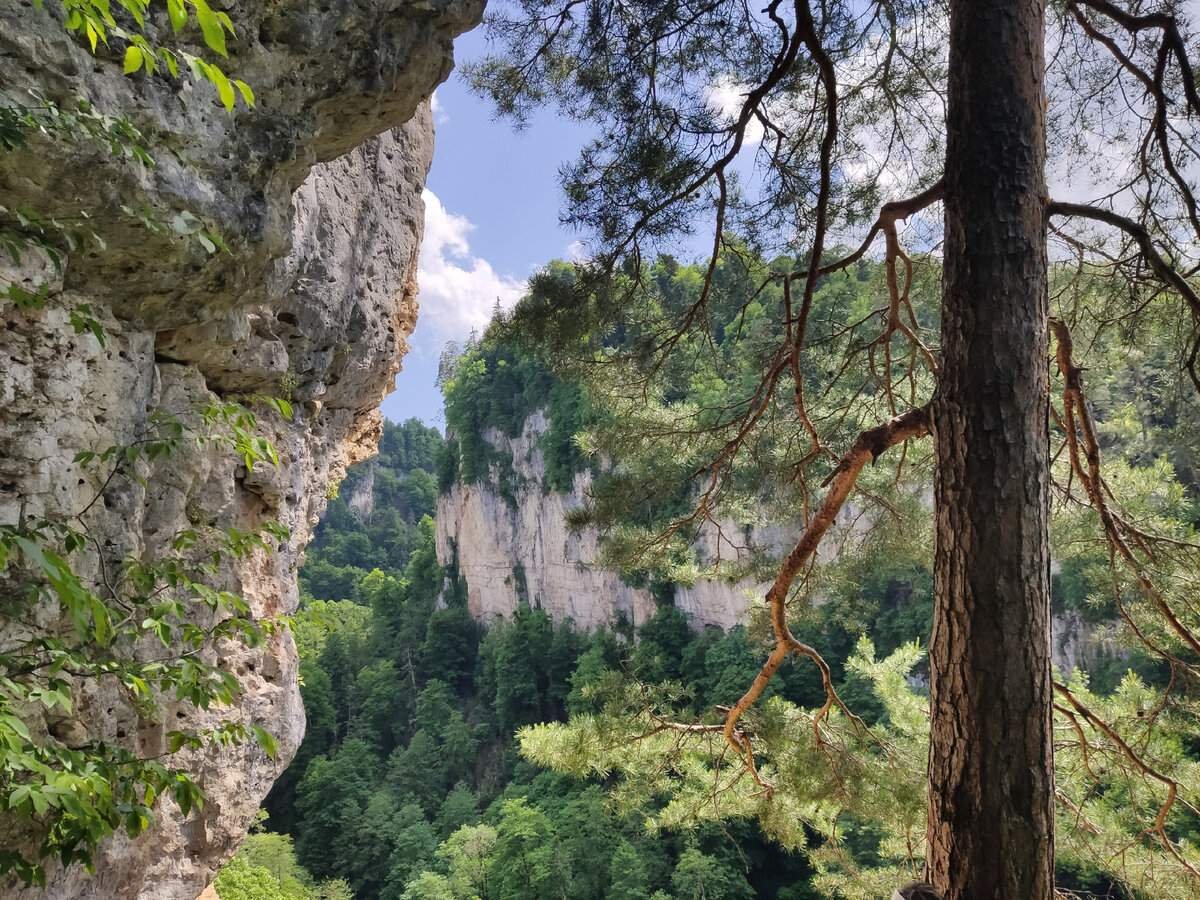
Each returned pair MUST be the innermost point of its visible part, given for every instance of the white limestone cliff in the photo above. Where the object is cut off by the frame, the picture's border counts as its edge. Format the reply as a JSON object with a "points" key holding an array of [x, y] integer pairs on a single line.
{"points": [[506, 551]]}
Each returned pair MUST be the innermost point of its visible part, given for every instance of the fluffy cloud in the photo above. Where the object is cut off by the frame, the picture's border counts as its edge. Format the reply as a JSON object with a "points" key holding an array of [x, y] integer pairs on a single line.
{"points": [[726, 98], [459, 290], [440, 116], [578, 251]]}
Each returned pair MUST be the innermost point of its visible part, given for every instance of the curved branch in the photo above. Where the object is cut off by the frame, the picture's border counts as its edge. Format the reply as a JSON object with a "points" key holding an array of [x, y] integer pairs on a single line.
{"points": [[889, 214], [1166, 272], [1077, 421], [869, 446], [1163, 269], [1172, 39], [1159, 828]]}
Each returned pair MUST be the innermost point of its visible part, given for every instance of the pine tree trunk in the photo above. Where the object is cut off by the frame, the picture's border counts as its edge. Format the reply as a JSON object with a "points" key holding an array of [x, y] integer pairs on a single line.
{"points": [[991, 760]]}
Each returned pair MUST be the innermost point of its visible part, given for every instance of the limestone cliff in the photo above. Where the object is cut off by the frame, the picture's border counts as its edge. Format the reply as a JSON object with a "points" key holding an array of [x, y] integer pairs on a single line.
{"points": [[317, 194], [509, 549]]}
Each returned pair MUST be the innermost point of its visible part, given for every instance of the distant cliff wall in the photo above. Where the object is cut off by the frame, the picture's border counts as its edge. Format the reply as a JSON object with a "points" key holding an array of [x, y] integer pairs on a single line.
{"points": [[507, 550]]}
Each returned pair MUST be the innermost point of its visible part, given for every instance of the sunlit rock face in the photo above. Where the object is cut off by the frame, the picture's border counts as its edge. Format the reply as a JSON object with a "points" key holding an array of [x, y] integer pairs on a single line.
{"points": [[509, 551], [317, 194]]}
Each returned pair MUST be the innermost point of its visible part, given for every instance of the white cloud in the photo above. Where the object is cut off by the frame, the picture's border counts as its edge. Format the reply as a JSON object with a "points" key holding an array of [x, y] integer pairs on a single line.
{"points": [[440, 116], [577, 251], [458, 290], [726, 98]]}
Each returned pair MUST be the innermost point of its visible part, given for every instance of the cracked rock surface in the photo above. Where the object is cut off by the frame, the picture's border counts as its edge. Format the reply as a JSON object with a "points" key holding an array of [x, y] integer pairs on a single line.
{"points": [[317, 194]]}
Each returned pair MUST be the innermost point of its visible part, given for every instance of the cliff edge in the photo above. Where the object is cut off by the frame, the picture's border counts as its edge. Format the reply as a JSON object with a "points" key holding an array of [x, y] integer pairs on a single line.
{"points": [[317, 195]]}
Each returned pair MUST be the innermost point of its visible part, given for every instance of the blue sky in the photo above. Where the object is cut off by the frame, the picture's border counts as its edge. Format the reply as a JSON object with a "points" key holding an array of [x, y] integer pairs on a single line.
{"points": [[492, 217]]}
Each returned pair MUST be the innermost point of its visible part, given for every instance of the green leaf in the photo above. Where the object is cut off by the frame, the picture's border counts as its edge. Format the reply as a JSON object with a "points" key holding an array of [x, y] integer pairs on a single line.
{"points": [[19, 796], [133, 59], [224, 88], [211, 27], [39, 802], [266, 740], [12, 723], [283, 407], [136, 822], [82, 321], [178, 14], [247, 92], [102, 624], [198, 67]]}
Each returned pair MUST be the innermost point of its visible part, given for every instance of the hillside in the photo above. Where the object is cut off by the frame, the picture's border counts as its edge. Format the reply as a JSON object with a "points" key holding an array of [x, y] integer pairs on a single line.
{"points": [[426, 644]]}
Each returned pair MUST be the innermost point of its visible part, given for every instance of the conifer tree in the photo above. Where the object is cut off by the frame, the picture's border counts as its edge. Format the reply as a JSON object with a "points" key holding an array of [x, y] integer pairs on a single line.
{"points": [[928, 133]]}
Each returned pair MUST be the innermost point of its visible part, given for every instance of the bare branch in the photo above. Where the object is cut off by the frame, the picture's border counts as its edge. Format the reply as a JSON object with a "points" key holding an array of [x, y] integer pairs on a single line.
{"points": [[869, 446]]}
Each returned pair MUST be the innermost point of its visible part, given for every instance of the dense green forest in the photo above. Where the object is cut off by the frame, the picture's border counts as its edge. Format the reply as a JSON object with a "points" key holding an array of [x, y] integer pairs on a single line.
{"points": [[410, 784]]}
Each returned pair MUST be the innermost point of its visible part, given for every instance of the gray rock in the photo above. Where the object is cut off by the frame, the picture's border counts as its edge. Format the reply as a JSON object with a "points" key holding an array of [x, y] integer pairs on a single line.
{"points": [[318, 195], [509, 552]]}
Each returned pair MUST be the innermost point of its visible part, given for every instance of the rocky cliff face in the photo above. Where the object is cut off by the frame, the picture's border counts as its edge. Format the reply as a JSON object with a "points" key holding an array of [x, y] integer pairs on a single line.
{"points": [[508, 551], [317, 194]]}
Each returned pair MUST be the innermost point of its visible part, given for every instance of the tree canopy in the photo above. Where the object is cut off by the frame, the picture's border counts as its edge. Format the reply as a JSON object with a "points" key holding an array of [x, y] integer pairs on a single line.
{"points": [[1062, 132]]}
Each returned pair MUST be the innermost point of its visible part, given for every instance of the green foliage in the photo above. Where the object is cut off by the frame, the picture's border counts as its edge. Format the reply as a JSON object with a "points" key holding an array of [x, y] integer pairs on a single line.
{"points": [[265, 868], [415, 706], [628, 877], [429, 886], [241, 881], [318, 619], [524, 855], [459, 809], [502, 825], [393, 493], [469, 857], [409, 744], [96, 21], [71, 629], [701, 877], [659, 437], [494, 387]]}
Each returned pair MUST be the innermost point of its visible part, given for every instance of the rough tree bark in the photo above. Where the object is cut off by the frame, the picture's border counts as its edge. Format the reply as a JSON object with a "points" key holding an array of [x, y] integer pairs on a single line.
{"points": [[990, 762]]}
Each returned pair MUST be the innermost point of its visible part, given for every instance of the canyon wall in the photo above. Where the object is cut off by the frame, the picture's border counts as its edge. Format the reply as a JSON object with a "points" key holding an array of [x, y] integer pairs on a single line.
{"points": [[317, 194], [509, 549]]}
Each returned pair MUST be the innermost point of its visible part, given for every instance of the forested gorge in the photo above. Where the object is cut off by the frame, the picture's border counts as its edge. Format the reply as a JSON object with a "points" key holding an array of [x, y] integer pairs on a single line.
{"points": [[879, 345], [426, 773]]}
